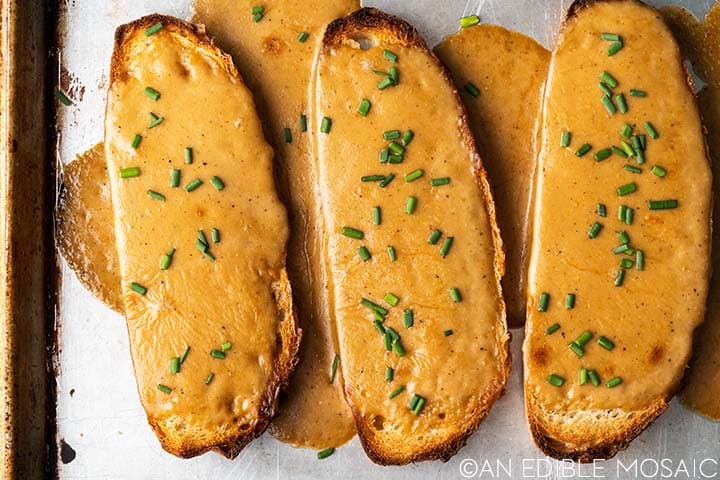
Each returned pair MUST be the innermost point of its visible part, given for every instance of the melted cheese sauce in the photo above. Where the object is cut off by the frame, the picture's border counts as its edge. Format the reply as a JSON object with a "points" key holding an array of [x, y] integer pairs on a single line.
{"points": [[650, 318], [457, 374], [509, 69], [277, 68], [196, 302]]}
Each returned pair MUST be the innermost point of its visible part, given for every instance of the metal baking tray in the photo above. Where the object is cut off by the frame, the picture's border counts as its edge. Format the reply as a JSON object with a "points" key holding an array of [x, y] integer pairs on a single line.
{"points": [[78, 416]]}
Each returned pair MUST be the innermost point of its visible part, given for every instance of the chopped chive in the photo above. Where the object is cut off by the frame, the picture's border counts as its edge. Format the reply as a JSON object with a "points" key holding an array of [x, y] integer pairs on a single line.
{"points": [[152, 30], [303, 123], [419, 405], [136, 141], [621, 103], [638, 93], [165, 261], [200, 245], [436, 182], [628, 149], [414, 175], [175, 178], [398, 349], [334, 367], [447, 333], [410, 205], [552, 328], [601, 210], [651, 130], [137, 288], [326, 125], [193, 185], [643, 141], [627, 189], [620, 278], [626, 131], [614, 37], [188, 155], [623, 237], [583, 376], [614, 382], [377, 215], [397, 392], [209, 256], [390, 56], [287, 135], [408, 137], [556, 380], [629, 215], [608, 79], [156, 120], [603, 154], [202, 238], [364, 253], [472, 89], [570, 301], [606, 90], [373, 306], [577, 349], [544, 302], [455, 295], [379, 326], [184, 355], [174, 365], [209, 378], [585, 148], [626, 263], [394, 75], [658, 170], [632, 169], [565, 139], [217, 354], [323, 454], [164, 388], [302, 37], [594, 230], [662, 204], [391, 135], [391, 253], [609, 105], [372, 178], [215, 234], [352, 233], [447, 245], [389, 374], [257, 13], [387, 180], [640, 260], [621, 249], [396, 148], [60, 95], [606, 343], [152, 93], [594, 377], [364, 107], [469, 21], [217, 182], [393, 158], [391, 299], [614, 48], [380, 72], [584, 338], [385, 83], [434, 237], [408, 318], [619, 151], [129, 172]]}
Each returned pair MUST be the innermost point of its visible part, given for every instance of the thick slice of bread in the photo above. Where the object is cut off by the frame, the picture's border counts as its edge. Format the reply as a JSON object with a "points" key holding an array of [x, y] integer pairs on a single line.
{"points": [[649, 313], [226, 298], [456, 350]]}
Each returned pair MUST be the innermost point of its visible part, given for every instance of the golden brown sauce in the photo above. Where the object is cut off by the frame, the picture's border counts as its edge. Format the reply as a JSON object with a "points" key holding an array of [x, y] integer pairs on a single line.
{"points": [[277, 68], [196, 302], [509, 69], [460, 374], [85, 233], [652, 316], [700, 42]]}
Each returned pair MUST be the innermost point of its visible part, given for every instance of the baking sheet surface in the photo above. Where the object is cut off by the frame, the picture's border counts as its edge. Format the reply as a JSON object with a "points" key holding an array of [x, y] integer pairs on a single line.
{"points": [[99, 413]]}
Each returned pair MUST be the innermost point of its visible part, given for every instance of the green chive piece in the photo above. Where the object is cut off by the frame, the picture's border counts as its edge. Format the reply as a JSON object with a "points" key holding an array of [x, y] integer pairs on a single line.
{"points": [[447, 245], [658, 170], [601, 155], [418, 405], [217, 354], [193, 185], [552, 328], [165, 261], [556, 380], [217, 182], [156, 120], [585, 148], [391, 135], [583, 376], [609, 105], [640, 260], [200, 245], [389, 374], [628, 149], [437, 182], [594, 377], [137, 288], [594, 230], [153, 29], [303, 123], [621, 103], [408, 137], [174, 178], [614, 382], [629, 215], [565, 139], [410, 205], [638, 93], [396, 148], [623, 237], [257, 13], [584, 338], [152, 93], [209, 379], [651, 130], [353, 233], [455, 295], [662, 204], [627, 189], [60, 95], [614, 48], [174, 365], [620, 278], [626, 263], [606, 90], [372, 178], [387, 180], [469, 21], [334, 367], [395, 158], [570, 301], [202, 238], [302, 37], [606, 343], [608, 79], [364, 107], [364, 253], [434, 237], [394, 75], [323, 454], [614, 37], [390, 56], [632, 169], [385, 83], [377, 215], [391, 299], [184, 355], [626, 131], [447, 333], [643, 141], [129, 172], [414, 175], [398, 349], [164, 388], [379, 326], [577, 349], [397, 392], [619, 151], [472, 89], [137, 140], [620, 249], [209, 256], [391, 253], [215, 234], [601, 210], [326, 125], [188, 155], [373, 306], [408, 318], [544, 302], [287, 135]]}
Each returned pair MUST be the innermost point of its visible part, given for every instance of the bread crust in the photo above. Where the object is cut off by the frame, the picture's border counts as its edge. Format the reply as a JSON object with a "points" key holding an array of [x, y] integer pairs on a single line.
{"points": [[395, 30], [289, 333]]}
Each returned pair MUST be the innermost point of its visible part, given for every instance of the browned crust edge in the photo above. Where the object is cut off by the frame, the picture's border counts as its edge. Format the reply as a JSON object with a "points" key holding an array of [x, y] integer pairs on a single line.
{"points": [[289, 333], [608, 447], [397, 31]]}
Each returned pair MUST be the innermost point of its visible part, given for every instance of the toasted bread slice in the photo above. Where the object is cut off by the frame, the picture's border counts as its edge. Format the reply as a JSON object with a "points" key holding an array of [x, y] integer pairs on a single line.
{"points": [[225, 297], [638, 281], [439, 302], [503, 116]]}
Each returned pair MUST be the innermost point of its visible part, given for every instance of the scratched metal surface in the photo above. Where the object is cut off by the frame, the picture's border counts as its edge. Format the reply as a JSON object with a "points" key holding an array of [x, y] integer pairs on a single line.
{"points": [[99, 414]]}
